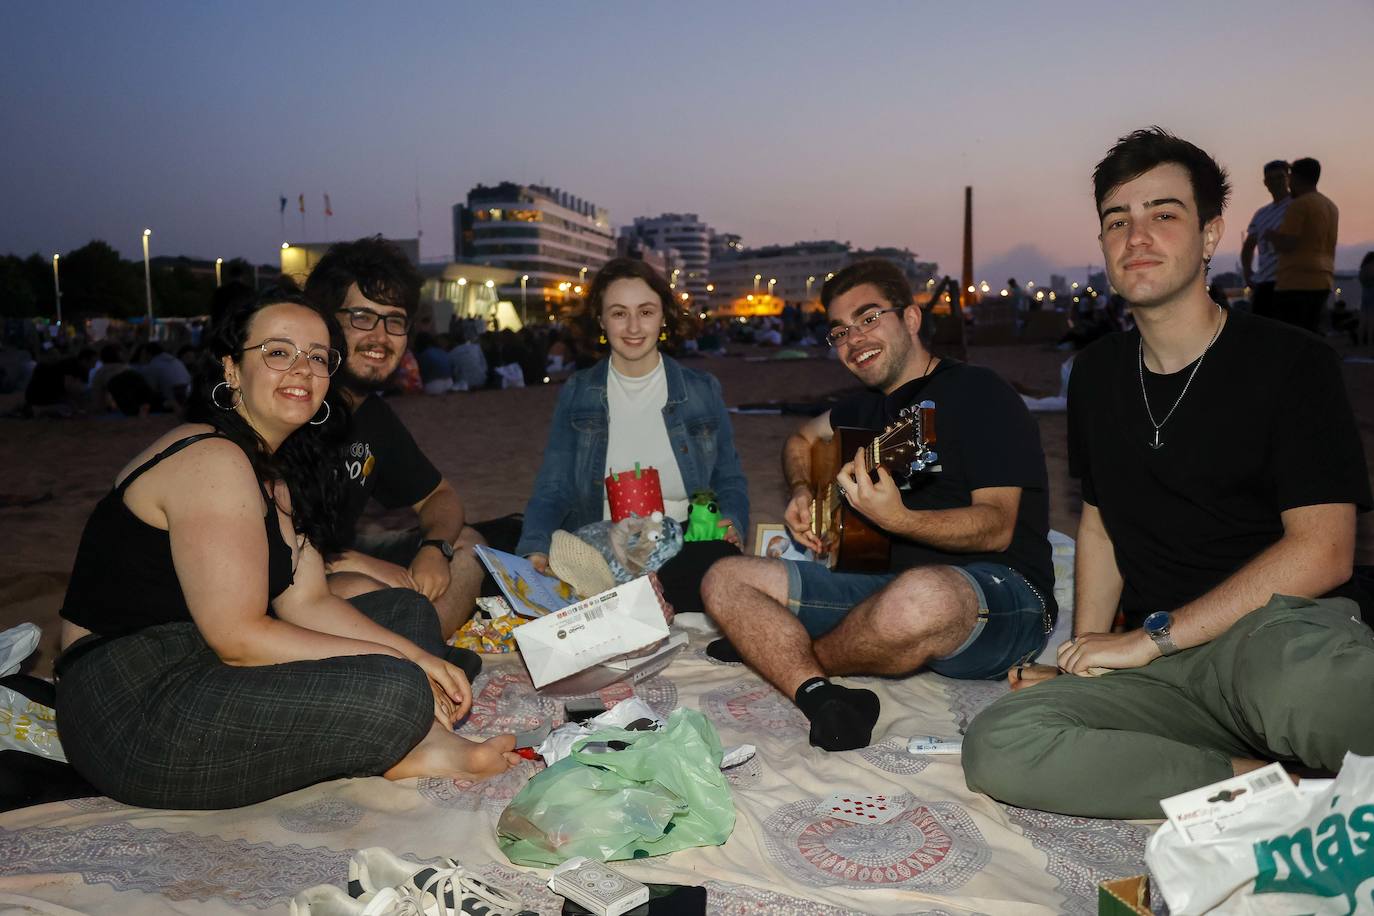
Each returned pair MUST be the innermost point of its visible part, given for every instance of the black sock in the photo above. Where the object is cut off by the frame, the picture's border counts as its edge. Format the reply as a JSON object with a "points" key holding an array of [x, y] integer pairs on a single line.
{"points": [[722, 650], [842, 718]]}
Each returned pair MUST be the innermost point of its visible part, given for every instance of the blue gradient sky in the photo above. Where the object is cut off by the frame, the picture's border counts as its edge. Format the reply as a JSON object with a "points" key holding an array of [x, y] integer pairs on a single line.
{"points": [[780, 121]]}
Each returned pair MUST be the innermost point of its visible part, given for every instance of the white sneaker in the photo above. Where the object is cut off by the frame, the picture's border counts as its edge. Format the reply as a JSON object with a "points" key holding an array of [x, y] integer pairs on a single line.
{"points": [[443, 890], [325, 900]]}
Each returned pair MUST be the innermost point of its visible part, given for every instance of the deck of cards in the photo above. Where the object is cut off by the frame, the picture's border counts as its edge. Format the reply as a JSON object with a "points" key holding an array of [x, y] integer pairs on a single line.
{"points": [[860, 809], [597, 887]]}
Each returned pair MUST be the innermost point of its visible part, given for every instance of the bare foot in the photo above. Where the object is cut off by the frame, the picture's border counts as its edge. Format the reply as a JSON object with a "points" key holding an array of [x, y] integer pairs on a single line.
{"points": [[442, 753]]}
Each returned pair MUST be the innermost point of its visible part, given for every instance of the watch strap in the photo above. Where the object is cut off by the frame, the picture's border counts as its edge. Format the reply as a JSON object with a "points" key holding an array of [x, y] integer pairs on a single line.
{"points": [[1166, 643], [444, 546]]}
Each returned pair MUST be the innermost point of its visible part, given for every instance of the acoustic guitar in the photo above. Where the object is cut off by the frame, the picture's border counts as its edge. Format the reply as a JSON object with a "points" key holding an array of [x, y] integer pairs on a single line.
{"points": [[854, 544]]}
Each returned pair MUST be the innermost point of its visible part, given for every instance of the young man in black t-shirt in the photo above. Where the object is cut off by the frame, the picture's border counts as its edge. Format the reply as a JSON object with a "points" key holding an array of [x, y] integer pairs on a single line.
{"points": [[372, 289], [969, 590], [1221, 471]]}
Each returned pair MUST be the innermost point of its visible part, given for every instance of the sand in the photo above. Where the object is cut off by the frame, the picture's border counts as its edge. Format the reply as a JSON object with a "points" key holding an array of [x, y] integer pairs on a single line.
{"points": [[488, 444]]}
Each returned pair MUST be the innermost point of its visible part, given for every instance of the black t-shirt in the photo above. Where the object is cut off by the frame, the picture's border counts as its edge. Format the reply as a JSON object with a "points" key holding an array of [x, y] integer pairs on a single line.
{"points": [[985, 438], [383, 462], [1264, 427]]}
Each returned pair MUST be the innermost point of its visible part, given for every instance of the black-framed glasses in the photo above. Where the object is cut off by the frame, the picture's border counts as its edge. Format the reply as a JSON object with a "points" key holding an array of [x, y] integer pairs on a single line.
{"points": [[366, 320], [281, 354], [841, 332]]}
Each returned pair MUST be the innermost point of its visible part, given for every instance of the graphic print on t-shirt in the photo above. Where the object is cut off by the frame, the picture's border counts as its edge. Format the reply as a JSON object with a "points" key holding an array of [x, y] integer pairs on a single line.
{"points": [[360, 462]]}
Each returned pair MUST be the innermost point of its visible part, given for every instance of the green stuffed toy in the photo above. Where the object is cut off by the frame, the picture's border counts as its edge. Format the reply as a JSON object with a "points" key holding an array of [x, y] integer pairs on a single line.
{"points": [[703, 518]]}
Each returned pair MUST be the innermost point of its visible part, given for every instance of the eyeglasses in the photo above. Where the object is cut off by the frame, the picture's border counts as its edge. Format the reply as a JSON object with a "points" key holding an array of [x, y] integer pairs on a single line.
{"points": [[366, 320], [281, 354], [840, 332]]}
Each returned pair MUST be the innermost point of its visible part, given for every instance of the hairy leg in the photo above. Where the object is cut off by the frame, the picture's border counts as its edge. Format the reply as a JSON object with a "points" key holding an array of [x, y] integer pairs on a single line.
{"points": [[457, 603], [746, 597], [924, 613], [442, 753]]}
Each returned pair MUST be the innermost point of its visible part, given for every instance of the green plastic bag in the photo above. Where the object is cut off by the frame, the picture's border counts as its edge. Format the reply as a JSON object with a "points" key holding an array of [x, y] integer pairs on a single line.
{"points": [[663, 793]]}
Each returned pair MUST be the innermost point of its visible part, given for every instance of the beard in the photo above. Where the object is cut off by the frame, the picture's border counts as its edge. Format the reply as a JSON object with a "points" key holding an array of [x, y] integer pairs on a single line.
{"points": [[363, 376]]}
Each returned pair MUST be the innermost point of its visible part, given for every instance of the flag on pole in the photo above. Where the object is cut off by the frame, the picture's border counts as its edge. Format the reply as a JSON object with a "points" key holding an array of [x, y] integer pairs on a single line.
{"points": [[282, 210], [302, 201], [328, 210]]}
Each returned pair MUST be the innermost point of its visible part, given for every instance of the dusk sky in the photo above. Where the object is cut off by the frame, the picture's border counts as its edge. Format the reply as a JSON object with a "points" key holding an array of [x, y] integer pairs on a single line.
{"points": [[780, 121]]}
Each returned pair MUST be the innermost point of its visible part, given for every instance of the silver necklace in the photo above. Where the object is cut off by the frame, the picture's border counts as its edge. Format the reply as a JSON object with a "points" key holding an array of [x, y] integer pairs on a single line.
{"points": [[1140, 361]]}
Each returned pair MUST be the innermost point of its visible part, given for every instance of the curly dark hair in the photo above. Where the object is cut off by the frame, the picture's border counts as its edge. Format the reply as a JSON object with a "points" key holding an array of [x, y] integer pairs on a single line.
{"points": [[675, 319], [890, 280], [309, 461], [1141, 150], [380, 268]]}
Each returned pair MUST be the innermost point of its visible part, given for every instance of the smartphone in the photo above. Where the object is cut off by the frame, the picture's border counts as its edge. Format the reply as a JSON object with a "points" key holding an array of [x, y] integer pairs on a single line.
{"points": [[584, 708], [664, 900]]}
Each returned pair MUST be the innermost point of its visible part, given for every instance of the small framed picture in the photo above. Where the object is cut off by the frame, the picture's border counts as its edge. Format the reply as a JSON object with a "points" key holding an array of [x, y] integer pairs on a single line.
{"points": [[772, 540]]}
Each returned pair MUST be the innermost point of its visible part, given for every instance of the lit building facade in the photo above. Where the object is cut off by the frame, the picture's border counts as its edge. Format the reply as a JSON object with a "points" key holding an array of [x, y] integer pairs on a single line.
{"points": [[795, 273], [553, 239], [691, 239]]}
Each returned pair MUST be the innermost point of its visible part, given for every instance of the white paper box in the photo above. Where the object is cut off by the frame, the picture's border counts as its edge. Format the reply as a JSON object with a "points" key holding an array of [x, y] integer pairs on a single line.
{"points": [[623, 619]]}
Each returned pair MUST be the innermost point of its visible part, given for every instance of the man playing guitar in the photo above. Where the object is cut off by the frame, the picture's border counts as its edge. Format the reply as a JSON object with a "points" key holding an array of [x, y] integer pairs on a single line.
{"points": [[968, 588]]}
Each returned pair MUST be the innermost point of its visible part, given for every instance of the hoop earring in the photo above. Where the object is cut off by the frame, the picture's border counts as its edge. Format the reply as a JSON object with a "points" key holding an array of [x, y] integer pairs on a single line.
{"points": [[326, 416], [214, 396]]}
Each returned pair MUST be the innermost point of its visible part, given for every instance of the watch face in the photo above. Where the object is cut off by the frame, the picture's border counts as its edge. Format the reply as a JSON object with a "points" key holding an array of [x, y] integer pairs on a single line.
{"points": [[1158, 622]]}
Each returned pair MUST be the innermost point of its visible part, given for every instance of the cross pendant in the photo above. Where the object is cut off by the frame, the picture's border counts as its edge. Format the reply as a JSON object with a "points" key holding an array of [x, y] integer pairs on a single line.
{"points": [[1156, 444]]}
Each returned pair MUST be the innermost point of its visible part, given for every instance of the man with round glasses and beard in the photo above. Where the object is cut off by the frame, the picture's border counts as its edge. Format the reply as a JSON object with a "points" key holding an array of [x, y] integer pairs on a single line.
{"points": [[968, 591], [373, 291]]}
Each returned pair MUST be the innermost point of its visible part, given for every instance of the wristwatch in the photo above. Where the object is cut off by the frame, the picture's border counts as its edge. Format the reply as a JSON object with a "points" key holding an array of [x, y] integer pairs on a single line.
{"points": [[1159, 626], [444, 546]]}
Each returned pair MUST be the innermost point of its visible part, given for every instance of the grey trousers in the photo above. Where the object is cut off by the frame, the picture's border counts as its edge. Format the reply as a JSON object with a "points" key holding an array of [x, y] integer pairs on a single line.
{"points": [[155, 719], [1292, 681]]}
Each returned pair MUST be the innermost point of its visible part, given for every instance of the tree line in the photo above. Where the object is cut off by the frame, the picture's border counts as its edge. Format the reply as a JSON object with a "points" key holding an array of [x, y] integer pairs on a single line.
{"points": [[97, 282]]}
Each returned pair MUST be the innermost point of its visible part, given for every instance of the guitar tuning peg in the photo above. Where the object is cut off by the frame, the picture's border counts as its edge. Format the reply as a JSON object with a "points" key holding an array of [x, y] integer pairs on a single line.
{"points": [[932, 457], [927, 404]]}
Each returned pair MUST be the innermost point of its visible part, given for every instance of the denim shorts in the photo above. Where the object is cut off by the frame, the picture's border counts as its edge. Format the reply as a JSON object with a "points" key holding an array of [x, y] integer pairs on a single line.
{"points": [[1011, 623]]}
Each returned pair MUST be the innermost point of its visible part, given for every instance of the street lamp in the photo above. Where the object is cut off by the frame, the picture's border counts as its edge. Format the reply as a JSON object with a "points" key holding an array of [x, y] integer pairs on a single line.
{"points": [[219, 262], [582, 276], [772, 281], [757, 278], [491, 284], [148, 281], [524, 305], [809, 280], [57, 286]]}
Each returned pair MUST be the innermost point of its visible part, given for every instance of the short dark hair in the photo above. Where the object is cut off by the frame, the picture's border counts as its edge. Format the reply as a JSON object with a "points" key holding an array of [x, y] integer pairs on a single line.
{"points": [[380, 268], [1276, 164], [1308, 169], [1141, 150], [885, 275], [111, 353], [635, 269]]}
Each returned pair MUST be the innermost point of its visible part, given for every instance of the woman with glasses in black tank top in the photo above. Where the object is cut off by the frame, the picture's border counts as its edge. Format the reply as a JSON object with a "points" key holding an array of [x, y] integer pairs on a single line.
{"points": [[206, 664]]}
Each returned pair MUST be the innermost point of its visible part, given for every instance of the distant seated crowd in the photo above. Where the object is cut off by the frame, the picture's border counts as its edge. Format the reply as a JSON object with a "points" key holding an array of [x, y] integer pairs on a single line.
{"points": [[231, 635]]}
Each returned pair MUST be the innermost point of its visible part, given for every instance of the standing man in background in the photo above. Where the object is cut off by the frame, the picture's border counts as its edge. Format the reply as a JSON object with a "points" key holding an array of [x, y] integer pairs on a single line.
{"points": [[1306, 243], [1260, 279]]}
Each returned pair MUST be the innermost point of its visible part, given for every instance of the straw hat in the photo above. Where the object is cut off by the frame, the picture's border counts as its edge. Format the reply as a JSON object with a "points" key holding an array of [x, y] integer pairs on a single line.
{"points": [[579, 564]]}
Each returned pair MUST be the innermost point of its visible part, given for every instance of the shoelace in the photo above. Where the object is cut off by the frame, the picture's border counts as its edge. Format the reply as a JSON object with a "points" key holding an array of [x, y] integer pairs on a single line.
{"points": [[391, 901], [452, 888]]}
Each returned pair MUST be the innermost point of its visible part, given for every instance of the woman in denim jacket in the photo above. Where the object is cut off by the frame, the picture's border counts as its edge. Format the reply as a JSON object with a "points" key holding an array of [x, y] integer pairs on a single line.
{"points": [[608, 416]]}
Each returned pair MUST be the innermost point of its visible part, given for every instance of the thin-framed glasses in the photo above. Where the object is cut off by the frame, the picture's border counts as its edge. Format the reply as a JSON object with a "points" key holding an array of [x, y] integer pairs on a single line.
{"points": [[366, 320], [840, 332], [281, 354]]}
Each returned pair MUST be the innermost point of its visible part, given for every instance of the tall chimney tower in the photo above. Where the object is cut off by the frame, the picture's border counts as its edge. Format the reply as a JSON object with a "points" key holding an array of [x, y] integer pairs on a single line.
{"points": [[966, 284]]}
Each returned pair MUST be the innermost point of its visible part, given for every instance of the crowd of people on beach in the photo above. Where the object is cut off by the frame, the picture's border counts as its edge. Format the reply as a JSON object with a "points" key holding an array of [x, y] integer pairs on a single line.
{"points": [[225, 607]]}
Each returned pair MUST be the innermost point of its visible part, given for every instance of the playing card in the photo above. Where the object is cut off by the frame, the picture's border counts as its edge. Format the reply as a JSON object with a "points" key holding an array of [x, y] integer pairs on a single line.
{"points": [[860, 809]]}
